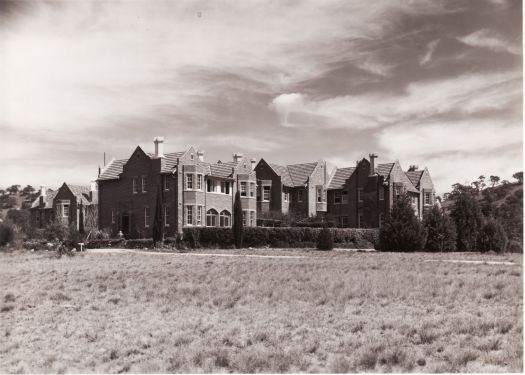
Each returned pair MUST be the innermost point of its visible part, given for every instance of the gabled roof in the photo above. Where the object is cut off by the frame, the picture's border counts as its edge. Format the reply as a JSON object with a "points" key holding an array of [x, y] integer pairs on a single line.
{"points": [[414, 177], [299, 173], [48, 201], [340, 177], [385, 169], [223, 170], [170, 160], [282, 171], [113, 169], [82, 194]]}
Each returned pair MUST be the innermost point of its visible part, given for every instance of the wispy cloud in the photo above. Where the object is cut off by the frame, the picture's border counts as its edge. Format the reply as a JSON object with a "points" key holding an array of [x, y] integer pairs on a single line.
{"points": [[488, 39], [430, 51]]}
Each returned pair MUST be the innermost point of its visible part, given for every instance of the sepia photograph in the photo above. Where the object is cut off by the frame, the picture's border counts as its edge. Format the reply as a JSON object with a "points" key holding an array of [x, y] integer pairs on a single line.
{"points": [[261, 186]]}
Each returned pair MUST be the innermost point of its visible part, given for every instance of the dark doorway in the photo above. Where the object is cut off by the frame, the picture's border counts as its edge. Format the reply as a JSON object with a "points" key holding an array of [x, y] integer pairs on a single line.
{"points": [[125, 224]]}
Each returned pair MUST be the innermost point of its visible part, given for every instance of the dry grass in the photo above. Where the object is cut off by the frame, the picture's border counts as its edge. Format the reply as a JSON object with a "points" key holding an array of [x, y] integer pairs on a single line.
{"points": [[328, 312]]}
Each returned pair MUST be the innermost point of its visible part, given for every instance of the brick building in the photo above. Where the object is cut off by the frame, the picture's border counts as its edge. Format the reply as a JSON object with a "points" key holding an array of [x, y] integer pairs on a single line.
{"points": [[361, 196], [298, 188], [193, 192], [70, 205]]}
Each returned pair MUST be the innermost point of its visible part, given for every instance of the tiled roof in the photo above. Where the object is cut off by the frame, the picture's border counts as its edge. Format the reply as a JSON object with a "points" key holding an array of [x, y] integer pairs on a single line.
{"points": [[50, 195], [414, 177], [223, 170], [113, 169], [282, 171], [340, 177], [299, 173], [384, 169], [82, 194]]}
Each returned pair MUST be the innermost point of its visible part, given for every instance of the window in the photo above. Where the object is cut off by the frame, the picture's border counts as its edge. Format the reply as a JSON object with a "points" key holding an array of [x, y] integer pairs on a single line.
{"points": [[144, 184], [252, 218], [337, 197], [189, 215], [380, 220], [189, 182], [360, 194], [286, 195], [112, 216], [244, 215], [199, 182], [146, 217], [344, 197], [266, 193], [381, 193], [360, 222], [135, 182], [252, 189], [319, 195], [243, 189], [427, 199], [224, 219], [199, 215], [211, 218], [65, 209], [166, 216], [166, 182], [225, 187], [344, 221], [210, 186], [299, 196]]}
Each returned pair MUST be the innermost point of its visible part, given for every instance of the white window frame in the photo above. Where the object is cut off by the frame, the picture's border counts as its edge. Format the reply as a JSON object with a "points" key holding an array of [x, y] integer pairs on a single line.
{"points": [[244, 188], [266, 189], [360, 220], [252, 218], [360, 195], [146, 217], [212, 215], [112, 216], [427, 195], [188, 214], [338, 196], [199, 215], [144, 184], [223, 218], [64, 205], [252, 189], [134, 182], [199, 181], [244, 217], [166, 216], [299, 196], [166, 183], [344, 221], [286, 196], [188, 183]]}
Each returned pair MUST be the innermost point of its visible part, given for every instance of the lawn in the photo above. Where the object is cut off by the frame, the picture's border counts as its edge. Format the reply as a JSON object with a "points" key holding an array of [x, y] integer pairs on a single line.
{"points": [[314, 312]]}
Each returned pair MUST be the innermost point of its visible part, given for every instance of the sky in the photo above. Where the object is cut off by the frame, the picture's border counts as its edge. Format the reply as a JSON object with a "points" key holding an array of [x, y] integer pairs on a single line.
{"points": [[433, 83]]}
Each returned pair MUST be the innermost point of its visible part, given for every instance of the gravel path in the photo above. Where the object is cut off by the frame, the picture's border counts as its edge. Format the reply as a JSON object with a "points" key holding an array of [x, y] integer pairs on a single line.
{"points": [[491, 262], [112, 251]]}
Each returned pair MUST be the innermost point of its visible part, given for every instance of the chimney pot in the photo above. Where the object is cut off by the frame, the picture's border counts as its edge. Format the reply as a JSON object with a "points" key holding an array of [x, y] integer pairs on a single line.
{"points": [[200, 155], [159, 147], [253, 161], [237, 157], [372, 164]]}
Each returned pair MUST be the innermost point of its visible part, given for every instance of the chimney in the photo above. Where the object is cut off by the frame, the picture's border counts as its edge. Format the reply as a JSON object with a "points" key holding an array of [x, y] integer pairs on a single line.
{"points": [[372, 164], [412, 168], [237, 157], [200, 155], [159, 147], [42, 195], [252, 161], [92, 190]]}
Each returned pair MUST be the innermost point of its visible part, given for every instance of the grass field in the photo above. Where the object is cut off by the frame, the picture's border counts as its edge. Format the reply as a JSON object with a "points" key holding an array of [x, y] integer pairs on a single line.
{"points": [[323, 312]]}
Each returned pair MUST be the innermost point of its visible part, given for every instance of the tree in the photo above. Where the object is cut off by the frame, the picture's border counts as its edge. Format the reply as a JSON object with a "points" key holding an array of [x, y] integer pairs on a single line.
{"points": [[28, 191], [518, 176], [441, 231], [402, 230], [158, 227], [237, 221], [468, 219], [492, 237], [13, 189], [479, 184], [494, 180]]}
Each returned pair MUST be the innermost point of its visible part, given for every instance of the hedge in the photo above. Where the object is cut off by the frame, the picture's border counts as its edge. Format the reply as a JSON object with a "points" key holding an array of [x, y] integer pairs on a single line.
{"points": [[278, 237]]}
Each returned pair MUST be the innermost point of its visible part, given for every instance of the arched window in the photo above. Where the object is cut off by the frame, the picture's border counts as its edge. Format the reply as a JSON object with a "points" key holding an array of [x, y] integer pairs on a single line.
{"points": [[211, 218], [225, 219]]}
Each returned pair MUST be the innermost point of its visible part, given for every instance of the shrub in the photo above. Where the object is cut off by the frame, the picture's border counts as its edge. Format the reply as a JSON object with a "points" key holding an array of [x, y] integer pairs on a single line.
{"points": [[402, 230], [515, 247], [7, 233], [441, 231], [468, 219], [325, 239], [56, 231], [492, 237]]}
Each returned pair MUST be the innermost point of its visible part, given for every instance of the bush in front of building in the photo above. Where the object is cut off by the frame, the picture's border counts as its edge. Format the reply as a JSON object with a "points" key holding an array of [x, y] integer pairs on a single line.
{"points": [[325, 239], [7, 233], [402, 230]]}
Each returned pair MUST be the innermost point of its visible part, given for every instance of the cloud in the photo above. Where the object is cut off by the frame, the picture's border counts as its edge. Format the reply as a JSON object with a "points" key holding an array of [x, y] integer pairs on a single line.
{"points": [[484, 38], [430, 51]]}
